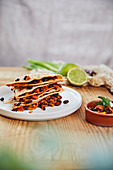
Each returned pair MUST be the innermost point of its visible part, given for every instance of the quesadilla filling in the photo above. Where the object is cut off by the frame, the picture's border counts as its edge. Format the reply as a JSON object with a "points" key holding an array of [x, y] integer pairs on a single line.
{"points": [[51, 101], [40, 90], [44, 94]]}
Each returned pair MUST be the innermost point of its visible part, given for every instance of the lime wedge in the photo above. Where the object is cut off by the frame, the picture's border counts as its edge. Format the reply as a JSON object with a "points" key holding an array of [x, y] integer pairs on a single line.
{"points": [[66, 67], [77, 76]]}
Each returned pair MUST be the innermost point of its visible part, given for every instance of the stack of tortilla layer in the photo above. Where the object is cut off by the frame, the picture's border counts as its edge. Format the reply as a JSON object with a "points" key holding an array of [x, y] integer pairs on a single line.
{"points": [[32, 91]]}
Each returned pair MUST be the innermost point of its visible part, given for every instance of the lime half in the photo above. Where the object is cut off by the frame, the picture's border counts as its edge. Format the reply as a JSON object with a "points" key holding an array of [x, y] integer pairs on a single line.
{"points": [[66, 67], [77, 76]]}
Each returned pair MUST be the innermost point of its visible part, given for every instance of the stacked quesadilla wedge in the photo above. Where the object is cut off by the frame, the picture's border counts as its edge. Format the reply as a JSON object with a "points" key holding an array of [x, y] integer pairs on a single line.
{"points": [[32, 91]]}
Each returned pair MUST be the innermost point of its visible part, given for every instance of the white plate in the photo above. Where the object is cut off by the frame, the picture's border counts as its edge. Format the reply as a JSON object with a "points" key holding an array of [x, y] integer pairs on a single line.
{"points": [[56, 112]]}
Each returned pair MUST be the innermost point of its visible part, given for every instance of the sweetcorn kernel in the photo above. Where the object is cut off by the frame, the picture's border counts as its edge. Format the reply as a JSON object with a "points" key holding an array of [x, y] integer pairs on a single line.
{"points": [[30, 111]]}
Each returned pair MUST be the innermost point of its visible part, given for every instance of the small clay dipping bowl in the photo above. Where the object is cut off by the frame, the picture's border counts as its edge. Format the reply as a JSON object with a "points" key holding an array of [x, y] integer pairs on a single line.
{"points": [[97, 118]]}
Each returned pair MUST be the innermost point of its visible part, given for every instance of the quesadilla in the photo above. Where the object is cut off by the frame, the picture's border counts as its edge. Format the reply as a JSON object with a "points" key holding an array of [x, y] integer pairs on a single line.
{"points": [[51, 99], [34, 80], [32, 91], [31, 96], [36, 90]]}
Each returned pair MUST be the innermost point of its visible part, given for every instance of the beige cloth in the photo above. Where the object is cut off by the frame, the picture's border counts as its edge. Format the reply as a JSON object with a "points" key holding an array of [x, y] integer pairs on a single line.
{"points": [[103, 77], [75, 31]]}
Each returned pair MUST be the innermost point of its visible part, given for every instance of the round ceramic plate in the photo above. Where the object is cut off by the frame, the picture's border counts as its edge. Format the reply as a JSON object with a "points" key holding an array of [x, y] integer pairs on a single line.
{"points": [[56, 112]]}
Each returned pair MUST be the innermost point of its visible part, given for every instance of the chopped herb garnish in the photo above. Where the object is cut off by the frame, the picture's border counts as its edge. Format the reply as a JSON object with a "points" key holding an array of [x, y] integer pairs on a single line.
{"points": [[103, 102]]}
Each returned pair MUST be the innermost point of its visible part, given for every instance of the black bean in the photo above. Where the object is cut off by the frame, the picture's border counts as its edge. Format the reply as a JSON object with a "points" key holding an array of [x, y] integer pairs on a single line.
{"points": [[107, 111], [44, 79], [93, 109], [14, 98], [59, 97], [18, 104], [41, 89], [48, 101], [48, 78], [50, 85], [42, 103], [54, 77], [13, 109], [100, 110], [25, 77], [29, 101], [35, 82], [56, 95], [58, 103], [59, 100], [39, 105], [11, 89], [43, 108], [17, 79], [52, 97], [66, 101], [20, 100], [29, 87], [60, 85], [26, 107], [2, 99]]}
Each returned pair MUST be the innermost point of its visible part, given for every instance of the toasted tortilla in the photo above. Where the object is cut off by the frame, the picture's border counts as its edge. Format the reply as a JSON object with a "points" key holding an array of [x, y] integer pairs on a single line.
{"points": [[22, 90], [35, 77], [12, 101], [33, 92], [39, 99]]}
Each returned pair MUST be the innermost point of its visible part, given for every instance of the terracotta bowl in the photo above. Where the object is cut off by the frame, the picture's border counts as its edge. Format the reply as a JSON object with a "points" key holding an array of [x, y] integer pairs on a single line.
{"points": [[97, 118]]}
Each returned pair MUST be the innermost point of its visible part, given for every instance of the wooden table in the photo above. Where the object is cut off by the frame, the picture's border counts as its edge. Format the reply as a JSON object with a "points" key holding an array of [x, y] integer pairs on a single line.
{"points": [[66, 143]]}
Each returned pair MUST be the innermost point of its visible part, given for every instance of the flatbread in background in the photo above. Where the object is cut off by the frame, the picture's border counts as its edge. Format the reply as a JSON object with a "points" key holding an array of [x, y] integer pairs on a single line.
{"points": [[103, 77]]}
